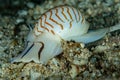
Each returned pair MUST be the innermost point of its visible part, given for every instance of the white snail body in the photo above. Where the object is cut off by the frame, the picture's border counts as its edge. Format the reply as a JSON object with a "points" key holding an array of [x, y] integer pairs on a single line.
{"points": [[63, 22]]}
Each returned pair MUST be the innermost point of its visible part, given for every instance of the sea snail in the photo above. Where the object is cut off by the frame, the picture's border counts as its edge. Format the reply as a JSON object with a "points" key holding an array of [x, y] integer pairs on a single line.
{"points": [[60, 23]]}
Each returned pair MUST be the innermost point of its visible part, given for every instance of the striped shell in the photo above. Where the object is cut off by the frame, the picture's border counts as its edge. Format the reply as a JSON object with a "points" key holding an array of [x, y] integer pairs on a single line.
{"points": [[64, 21], [44, 41]]}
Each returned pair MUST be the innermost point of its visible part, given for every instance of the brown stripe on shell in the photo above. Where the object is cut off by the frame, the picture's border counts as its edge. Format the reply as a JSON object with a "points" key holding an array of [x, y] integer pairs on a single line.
{"points": [[47, 22], [64, 14], [70, 24], [58, 15], [36, 29], [79, 14], [74, 13], [68, 11], [52, 32], [61, 26], [43, 26]]}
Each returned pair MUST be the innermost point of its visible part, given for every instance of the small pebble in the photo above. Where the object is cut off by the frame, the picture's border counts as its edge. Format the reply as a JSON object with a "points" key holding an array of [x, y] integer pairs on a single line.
{"points": [[19, 21], [1, 34], [2, 48], [22, 12], [30, 5]]}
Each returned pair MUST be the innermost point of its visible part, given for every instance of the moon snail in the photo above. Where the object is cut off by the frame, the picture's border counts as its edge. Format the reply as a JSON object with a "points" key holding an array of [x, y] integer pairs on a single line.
{"points": [[59, 23]]}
